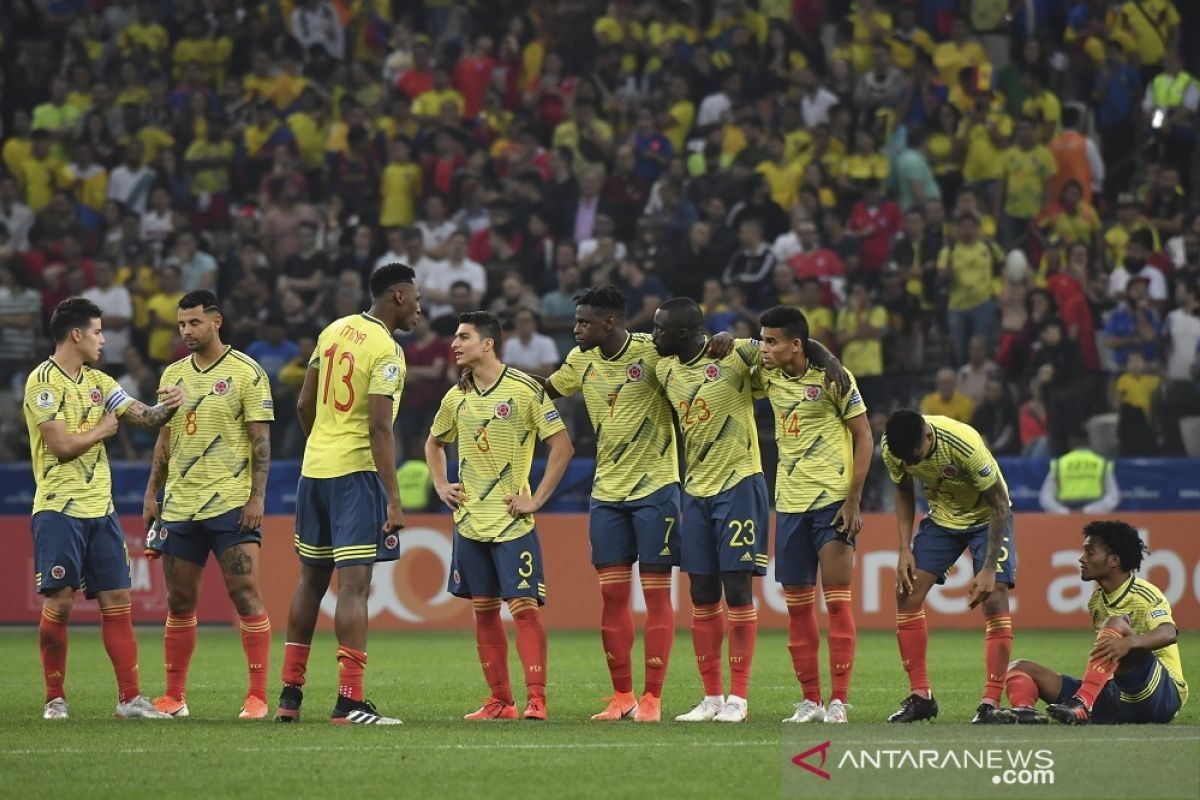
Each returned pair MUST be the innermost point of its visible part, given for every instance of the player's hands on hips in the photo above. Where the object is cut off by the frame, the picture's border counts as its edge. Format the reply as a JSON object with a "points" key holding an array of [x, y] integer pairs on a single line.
{"points": [[982, 587], [848, 518], [451, 494], [395, 518], [1112, 648], [171, 397], [906, 572], [106, 426], [150, 510], [521, 504], [252, 514], [720, 345]]}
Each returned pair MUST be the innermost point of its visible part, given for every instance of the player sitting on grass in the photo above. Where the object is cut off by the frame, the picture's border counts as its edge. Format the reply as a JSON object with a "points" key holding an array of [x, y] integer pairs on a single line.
{"points": [[1133, 673]]}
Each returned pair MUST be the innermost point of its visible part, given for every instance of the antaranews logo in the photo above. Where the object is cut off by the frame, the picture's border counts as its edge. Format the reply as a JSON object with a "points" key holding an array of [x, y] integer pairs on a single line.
{"points": [[801, 760], [1007, 767]]}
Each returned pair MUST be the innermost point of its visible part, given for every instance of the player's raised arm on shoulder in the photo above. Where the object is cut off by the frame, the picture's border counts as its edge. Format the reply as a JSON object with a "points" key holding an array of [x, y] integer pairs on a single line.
{"points": [[383, 453], [306, 403], [546, 383], [159, 463]]}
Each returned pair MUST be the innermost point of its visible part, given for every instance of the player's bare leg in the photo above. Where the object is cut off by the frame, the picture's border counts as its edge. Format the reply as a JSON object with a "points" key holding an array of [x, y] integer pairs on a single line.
{"points": [[617, 634], [836, 559], [183, 580], [708, 638], [116, 628], [1077, 710], [743, 632], [657, 637], [302, 621], [912, 635], [998, 650], [239, 569], [52, 641]]}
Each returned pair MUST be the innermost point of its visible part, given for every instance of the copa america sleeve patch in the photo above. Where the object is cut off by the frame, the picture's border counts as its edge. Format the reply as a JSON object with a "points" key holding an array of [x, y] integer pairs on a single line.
{"points": [[551, 416], [46, 400], [1158, 612], [391, 372], [983, 473], [268, 405], [116, 398]]}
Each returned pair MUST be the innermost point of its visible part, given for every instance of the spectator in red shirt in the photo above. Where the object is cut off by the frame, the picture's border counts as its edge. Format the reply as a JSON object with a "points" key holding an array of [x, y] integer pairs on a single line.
{"points": [[418, 78], [815, 261], [472, 74], [874, 221], [1067, 286]]}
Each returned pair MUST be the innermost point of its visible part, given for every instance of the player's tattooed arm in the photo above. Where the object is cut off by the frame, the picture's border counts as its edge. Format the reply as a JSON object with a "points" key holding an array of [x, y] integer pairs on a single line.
{"points": [[141, 415], [985, 582], [835, 373], [259, 434], [159, 464]]}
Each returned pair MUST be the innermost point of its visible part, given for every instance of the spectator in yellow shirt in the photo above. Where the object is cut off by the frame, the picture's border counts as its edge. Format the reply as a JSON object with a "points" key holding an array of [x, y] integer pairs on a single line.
{"points": [[1029, 169], [872, 25], [985, 135], [1041, 104], [860, 329], [961, 51], [161, 308], [1130, 219], [946, 400], [428, 105], [967, 265], [400, 186], [145, 33], [1072, 219], [86, 181], [18, 146], [1135, 387], [39, 172]]}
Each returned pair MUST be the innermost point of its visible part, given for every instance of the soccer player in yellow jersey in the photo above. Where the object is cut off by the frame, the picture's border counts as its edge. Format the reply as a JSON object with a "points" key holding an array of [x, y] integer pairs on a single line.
{"points": [[347, 503], [70, 409], [1134, 672], [496, 555], [724, 530], [634, 514], [968, 507], [212, 462], [825, 449]]}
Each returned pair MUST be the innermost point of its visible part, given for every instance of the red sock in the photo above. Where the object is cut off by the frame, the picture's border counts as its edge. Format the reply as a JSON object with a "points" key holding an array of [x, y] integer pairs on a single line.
{"points": [[743, 631], [52, 639], [1022, 691], [708, 636], [256, 642], [843, 637], [804, 639], [531, 644], [998, 649], [913, 636], [295, 663], [351, 666], [659, 633], [616, 625], [491, 642], [179, 642], [1099, 671], [116, 628]]}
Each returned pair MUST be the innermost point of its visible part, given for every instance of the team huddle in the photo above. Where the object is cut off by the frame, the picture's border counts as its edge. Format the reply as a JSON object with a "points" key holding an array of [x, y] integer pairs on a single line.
{"points": [[641, 392]]}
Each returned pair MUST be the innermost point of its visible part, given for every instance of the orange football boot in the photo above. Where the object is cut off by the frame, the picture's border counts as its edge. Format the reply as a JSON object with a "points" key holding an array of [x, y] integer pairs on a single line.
{"points": [[536, 709], [649, 709], [622, 705], [253, 708], [494, 709]]}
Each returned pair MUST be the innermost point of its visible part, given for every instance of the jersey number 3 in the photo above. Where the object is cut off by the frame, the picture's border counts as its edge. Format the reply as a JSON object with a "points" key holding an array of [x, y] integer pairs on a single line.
{"points": [[348, 359]]}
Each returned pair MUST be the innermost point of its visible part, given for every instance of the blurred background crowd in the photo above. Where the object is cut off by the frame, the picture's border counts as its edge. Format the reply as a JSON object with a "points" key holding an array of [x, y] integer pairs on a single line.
{"points": [[987, 208]]}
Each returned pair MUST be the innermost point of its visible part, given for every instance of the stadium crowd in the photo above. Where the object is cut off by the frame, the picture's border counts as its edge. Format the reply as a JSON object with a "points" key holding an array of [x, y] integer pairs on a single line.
{"points": [[985, 208]]}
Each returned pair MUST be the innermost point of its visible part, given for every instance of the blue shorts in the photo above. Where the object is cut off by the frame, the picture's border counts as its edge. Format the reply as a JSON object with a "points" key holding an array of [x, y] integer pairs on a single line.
{"points": [[192, 540], [497, 569], [1157, 696], [935, 549], [798, 539], [339, 521], [728, 531], [86, 554], [644, 530]]}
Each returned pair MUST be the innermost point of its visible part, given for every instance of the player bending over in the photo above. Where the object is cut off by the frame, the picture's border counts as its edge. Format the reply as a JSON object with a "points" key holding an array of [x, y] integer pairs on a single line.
{"points": [[347, 502], [1134, 672], [213, 459], [496, 555], [70, 409], [825, 449], [968, 507]]}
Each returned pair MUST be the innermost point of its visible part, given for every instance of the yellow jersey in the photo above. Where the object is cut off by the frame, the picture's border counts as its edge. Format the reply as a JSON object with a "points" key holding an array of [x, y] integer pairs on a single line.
{"points": [[635, 435], [971, 269], [494, 428], [210, 457], [1026, 175], [957, 472], [863, 356], [1147, 609], [713, 401], [816, 449], [400, 186], [355, 357], [82, 486], [984, 159], [88, 185]]}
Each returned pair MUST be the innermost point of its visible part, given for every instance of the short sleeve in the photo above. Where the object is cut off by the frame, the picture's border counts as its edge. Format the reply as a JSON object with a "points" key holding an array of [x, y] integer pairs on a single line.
{"points": [[43, 401], [314, 360], [257, 403], [1159, 612], [852, 404], [749, 356], [979, 466], [543, 416], [387, 373], [568, 379], [895, 467], [444, 427]]}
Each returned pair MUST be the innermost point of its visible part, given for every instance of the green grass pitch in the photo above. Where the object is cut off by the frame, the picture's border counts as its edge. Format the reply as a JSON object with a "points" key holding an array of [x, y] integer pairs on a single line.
{"points": [[431, 679]]}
